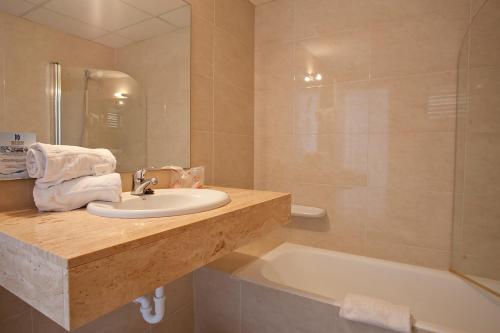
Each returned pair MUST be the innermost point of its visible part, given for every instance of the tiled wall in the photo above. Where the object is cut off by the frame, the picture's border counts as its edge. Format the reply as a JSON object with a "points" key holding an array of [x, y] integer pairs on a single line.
{"points": [[373, 141], [17, 316], [222, 90], [476, 222]]}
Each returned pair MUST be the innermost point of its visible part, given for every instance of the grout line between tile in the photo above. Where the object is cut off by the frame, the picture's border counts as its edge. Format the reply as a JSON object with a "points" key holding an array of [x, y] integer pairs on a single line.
{"points": [[212, 26]]}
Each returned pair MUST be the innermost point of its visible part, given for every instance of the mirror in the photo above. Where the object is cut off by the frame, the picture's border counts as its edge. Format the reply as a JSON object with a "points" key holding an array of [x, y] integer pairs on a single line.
{"points": [[103, 107], [476, 220], [103, 73]]}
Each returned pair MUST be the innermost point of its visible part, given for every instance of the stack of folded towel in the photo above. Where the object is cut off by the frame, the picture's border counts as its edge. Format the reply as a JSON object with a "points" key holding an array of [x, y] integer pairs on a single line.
{"points": [[69, 177]]}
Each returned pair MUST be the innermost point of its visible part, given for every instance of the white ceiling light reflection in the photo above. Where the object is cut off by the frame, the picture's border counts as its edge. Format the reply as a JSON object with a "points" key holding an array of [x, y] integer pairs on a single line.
{"points": [[313, 77], [120, 95]]}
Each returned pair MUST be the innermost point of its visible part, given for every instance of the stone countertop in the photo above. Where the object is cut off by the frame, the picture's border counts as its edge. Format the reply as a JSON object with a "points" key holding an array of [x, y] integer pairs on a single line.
{"points": [[74, 266]]}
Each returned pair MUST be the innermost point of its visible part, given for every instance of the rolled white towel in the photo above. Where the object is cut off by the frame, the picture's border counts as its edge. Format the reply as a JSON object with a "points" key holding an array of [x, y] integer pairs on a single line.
{"points": [[78, 192], [53, 164], [376, 312]]}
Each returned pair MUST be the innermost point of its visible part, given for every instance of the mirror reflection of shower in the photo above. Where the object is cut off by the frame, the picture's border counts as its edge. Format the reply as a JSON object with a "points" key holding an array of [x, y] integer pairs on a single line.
{"points": [[85, 106], [101, 108]]}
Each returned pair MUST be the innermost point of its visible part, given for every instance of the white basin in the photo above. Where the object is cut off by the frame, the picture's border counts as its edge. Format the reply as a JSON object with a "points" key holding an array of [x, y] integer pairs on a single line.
{"points": [[164, 202]]}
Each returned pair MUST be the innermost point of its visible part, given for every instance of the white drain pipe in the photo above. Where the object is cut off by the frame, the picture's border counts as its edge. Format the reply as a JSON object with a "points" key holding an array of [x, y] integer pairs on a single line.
{"points": [[147, 309]]}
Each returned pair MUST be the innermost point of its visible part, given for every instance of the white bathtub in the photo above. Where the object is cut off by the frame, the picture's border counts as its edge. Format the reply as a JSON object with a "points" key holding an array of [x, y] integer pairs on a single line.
{"points": [[439, 300]]}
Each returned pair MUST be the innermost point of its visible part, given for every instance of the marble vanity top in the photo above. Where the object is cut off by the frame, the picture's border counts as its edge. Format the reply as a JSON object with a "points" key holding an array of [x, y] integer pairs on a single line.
{"points": [[75, 267]]}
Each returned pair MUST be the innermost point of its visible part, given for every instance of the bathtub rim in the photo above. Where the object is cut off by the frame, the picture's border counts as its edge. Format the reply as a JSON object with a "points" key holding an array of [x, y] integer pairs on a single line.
{"points": [[250, 273]]}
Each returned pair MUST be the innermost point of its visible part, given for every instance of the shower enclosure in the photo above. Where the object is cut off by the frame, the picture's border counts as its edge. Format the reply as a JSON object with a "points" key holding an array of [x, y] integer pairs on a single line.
{"points": [[476, 225], [104, 108]]}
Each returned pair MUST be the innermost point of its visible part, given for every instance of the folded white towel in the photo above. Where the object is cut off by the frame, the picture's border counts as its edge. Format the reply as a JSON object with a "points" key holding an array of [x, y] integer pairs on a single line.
{"points": [[53, 164], [78, 192], [376, 312]]}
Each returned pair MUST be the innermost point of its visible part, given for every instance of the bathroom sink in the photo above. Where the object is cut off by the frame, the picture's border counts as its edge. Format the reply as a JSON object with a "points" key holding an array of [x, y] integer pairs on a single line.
{"points": [[164, 202]]}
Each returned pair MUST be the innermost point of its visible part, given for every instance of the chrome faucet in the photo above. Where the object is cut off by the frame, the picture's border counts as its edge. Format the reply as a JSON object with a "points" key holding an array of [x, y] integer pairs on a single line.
{"points": [[140, 185]]}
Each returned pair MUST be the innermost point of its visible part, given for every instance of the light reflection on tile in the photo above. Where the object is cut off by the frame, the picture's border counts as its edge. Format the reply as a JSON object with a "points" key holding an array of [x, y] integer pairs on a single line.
{"points": [[343, 56]]}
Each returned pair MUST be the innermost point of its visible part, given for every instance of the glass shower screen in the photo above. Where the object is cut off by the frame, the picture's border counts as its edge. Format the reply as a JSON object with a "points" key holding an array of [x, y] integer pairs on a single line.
{"points": [[476, 221]]}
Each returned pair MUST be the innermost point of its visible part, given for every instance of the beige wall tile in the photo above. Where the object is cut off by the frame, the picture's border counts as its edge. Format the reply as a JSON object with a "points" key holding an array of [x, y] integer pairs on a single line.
{"points": [[395, 10], [274, 22], [11, 305], [217, 302], [485, 37], [233, 60], [409, 218], [342, 56], [182, 321], [202, 38], [460, 139], [202, 152], [475, 6], [233, 160], [478, 266], [179, 295], [236, 17], [262, 310], [414, 161], [274, 158], [274, 67], [317, 17], [479, 241], [233, 109], [482, 174], [2, 75], [408, 254], [481, 230], [19, 323], [343, 204], [483, 115], [352, 106], [320, 17], [19, 196], [203, 8], [341, 108], [273, 112], [419, 45], [42, 324], [274, 185], [202, 102], [314, 110], [343, 229], [416, 103], [337, 159]]}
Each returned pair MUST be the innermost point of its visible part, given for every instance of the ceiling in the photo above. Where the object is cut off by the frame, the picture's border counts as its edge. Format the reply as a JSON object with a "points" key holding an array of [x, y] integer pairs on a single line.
{"points": [[114, 23]]}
